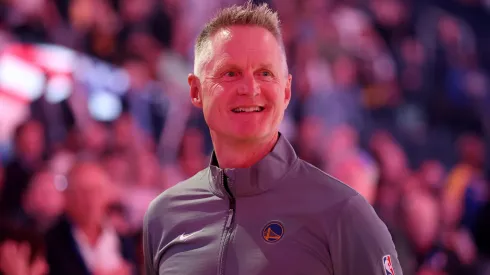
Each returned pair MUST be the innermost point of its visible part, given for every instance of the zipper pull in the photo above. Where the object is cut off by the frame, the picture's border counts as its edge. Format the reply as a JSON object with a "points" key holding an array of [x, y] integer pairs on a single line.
{"points": [[229, 219]]}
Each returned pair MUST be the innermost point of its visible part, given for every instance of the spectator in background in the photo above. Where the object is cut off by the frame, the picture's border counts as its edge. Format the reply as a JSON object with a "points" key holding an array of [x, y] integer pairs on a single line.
{"points": [[42, 203], [28, 157], [393, 175], [345, 160], [137, 196], [360, 173], [466, 187], [341, 143], [147, 103], [433, 175], [83, 242], [419, 218], [191, 158], [21, 251], [94, 139], [391, 158], [340, 104], [57, 119], [438, 248], [30, 21], [310, 134], [125, 135], [2, 178], [118, 167]]}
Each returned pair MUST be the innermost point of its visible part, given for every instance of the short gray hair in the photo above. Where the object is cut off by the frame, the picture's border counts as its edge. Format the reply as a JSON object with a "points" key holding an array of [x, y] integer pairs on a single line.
{"points": [[248, 14]]}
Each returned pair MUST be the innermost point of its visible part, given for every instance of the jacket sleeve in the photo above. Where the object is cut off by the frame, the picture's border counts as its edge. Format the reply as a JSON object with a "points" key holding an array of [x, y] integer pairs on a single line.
{"points": [[148, 247], [360, 242]]}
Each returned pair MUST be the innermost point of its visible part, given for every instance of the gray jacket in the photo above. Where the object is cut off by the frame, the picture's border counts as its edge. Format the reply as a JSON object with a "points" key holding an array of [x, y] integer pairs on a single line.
{"points": [[281, 216]]}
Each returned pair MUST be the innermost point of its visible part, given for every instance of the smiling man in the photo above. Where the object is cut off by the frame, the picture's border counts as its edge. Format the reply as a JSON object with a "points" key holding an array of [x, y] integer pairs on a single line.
{"points": [[257, 208]]}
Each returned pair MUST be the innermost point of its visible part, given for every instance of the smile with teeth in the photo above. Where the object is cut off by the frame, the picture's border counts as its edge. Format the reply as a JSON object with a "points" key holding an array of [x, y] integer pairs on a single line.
{"points": [[248, 109]]}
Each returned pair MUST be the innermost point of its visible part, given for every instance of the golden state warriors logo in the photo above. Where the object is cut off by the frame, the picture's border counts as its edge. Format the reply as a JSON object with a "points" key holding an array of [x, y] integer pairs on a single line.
{"points": [[273, 232]]}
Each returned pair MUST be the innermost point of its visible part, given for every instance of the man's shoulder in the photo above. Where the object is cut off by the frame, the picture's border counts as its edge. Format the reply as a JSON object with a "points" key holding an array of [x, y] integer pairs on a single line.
{"points": [[182, 191], [316, 180]]}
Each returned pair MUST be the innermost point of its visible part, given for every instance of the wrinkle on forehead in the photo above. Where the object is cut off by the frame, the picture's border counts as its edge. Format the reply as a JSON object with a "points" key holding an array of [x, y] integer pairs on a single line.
{"points": [[215, 44]]}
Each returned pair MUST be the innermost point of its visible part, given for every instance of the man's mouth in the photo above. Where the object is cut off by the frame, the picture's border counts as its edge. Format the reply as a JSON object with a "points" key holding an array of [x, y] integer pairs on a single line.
{"points": [[254, 109]]}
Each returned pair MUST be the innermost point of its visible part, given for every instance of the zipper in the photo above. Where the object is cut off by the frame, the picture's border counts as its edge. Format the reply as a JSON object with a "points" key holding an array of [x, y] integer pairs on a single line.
{"points": [[230, 219]]}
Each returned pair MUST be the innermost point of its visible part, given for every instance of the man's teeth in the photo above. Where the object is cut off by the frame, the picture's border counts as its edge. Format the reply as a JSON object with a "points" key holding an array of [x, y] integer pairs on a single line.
{"points": [[248, 109]]}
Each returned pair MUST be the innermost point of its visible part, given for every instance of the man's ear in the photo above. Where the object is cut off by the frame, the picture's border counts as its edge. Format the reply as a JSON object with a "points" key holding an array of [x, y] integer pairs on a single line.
{"points": [[195, 90], [287, 91]]}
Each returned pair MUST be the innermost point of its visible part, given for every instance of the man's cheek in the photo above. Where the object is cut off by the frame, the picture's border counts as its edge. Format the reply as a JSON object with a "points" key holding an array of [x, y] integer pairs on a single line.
{"points": [[213, 89]]}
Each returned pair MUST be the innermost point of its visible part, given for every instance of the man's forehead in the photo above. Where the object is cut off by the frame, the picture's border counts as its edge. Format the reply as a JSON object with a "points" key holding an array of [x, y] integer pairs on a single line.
{"points": [[249, 44], [238, 39]]}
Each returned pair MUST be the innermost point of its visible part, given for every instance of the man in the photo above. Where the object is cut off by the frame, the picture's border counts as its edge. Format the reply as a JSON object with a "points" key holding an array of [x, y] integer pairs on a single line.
{"points": [[83, 242], [257, 209], [28, 157], [42, 202]]}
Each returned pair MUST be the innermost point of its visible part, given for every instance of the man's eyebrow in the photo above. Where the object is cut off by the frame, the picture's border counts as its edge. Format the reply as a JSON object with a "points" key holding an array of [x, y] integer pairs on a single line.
{"points": [[223, 65], [227, 65], [267, 66]]}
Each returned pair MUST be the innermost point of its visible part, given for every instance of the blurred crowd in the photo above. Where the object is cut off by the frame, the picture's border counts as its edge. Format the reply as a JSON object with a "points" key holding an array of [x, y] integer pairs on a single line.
{"points": [[389, 96]]}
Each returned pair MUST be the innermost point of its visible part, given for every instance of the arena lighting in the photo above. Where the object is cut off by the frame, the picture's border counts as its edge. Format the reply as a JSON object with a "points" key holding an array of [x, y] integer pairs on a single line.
{"points": [[58, 89], [27, 71], [55, 58], [104, 106], [99, 75], [20, 79], [119, 81]]}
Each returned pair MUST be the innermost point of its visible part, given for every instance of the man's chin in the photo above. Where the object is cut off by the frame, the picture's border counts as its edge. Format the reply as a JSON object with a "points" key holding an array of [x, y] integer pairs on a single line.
{"points": [[250, 135], [243, 132]]}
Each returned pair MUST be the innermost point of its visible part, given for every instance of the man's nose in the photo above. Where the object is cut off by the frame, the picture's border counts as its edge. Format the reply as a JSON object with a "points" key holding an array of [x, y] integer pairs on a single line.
{"points": [[249, 86]]}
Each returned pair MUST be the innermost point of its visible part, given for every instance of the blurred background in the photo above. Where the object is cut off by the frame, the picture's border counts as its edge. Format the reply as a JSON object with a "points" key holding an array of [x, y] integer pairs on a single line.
{"points": [[390, 96]]}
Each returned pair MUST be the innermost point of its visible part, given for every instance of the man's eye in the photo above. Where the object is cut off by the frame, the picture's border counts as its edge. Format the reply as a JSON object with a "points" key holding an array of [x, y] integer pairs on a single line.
{"points": [[265, 73], [231, 74]]}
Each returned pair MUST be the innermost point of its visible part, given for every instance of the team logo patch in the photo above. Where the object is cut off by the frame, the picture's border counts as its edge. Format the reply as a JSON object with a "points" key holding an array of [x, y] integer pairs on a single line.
{"points": [[273, 232], [388, 265]]}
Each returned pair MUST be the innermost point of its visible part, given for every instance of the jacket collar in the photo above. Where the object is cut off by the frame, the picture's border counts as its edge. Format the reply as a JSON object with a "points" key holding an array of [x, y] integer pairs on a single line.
{"points": [[258, 178]]}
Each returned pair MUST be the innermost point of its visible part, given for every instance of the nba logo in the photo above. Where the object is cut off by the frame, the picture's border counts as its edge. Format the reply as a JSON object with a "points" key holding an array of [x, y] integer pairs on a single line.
{"points": [[388, 266]]}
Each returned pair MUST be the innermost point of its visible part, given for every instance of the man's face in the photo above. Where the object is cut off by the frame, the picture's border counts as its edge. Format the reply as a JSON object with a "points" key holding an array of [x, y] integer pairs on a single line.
{"points": [[30, 141], [421, 218], [86, 195], [244, 88], [42, 198]]}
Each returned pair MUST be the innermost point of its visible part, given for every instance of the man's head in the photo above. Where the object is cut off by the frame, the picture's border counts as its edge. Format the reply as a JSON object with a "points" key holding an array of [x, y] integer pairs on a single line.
{"points": [[420, 214], [42, 200], [87, 195], [240, 75], [95, 137], [29, 140]]}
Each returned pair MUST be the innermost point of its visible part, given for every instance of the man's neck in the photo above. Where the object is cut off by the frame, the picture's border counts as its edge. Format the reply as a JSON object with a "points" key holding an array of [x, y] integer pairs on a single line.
{"points": [[92, 232], [233, 154]]}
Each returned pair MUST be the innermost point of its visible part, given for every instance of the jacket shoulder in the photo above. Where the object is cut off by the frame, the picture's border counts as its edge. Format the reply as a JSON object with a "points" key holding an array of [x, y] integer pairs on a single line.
{"points": [[192, 186], [318, 181]]}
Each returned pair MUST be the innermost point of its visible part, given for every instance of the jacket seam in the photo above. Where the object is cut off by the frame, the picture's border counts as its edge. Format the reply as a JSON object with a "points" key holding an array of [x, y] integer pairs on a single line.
{"points": [[346, 203], [290, 169]]}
